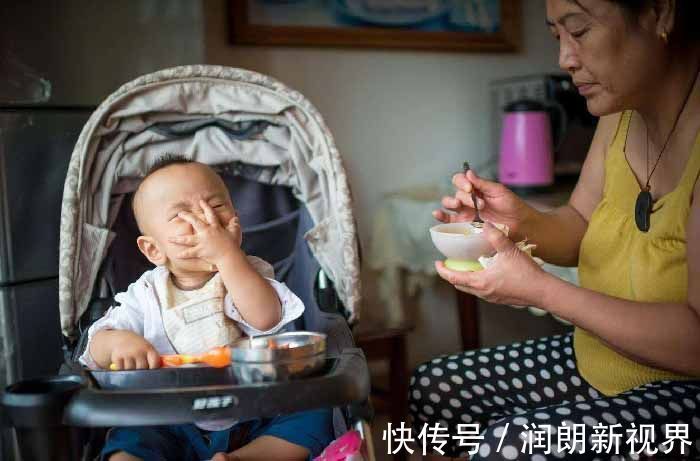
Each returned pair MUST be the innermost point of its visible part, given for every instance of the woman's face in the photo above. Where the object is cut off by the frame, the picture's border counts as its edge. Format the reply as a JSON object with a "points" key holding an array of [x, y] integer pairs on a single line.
{"points": [[614, 60]]}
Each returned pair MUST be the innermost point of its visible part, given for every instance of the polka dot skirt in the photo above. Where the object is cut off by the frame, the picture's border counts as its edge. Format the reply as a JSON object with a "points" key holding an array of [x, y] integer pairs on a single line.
{"points": [[517, 390]]}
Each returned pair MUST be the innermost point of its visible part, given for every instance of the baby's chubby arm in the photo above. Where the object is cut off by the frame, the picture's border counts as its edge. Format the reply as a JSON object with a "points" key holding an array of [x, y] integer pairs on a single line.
{"points": [[118, 336], [255, 299]]}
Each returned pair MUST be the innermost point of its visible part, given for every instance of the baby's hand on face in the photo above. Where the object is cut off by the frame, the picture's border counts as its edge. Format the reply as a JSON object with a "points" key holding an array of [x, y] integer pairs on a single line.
{"points": [[133, 352], [211, 241]]}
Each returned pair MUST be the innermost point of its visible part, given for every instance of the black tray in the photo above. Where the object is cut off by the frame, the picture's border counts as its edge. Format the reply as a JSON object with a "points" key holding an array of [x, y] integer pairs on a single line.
{"points": [[51, 416], [183, 395]]}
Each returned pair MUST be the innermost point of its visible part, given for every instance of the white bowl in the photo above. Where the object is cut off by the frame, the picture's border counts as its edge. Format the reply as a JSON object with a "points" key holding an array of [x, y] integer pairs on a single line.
{"points": [[459, 242]]}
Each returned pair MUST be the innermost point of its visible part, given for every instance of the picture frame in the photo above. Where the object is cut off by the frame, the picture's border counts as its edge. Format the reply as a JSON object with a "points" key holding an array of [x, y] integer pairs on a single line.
{"points": [[442, 25]]}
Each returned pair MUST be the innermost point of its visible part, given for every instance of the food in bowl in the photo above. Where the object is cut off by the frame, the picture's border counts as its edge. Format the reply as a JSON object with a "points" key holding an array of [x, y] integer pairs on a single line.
{"points": [[463, 265], [462, 244], [278, 357]]}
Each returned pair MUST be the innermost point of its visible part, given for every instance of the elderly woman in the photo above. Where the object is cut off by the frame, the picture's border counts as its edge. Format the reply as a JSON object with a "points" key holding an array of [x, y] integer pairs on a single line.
{"points": [[632, 225]]}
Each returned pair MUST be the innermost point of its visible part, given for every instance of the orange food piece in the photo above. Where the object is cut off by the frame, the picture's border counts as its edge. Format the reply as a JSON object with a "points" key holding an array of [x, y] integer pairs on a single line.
{"points": [[218, 357]]}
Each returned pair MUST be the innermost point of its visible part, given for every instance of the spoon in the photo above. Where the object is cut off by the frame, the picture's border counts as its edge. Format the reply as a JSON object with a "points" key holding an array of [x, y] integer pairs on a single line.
{"points": [[477, 222], [217, 357]]}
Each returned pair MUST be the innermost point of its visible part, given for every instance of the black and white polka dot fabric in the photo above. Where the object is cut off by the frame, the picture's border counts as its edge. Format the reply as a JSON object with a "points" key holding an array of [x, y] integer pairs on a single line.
{"points": [[533, 388]]}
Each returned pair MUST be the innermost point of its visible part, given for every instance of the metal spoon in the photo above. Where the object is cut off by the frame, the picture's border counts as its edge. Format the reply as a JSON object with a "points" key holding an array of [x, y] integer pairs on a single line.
{"points": [[477, 221]]}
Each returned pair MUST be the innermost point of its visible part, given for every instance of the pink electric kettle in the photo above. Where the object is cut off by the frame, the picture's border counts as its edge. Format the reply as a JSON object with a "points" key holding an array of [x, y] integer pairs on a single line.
{"points": [[526, 158]]}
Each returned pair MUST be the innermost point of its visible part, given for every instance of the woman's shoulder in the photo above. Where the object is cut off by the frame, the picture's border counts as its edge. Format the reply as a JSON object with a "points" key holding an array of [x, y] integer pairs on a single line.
{"points": [[591, 183], [609, 133], [611, 126]]}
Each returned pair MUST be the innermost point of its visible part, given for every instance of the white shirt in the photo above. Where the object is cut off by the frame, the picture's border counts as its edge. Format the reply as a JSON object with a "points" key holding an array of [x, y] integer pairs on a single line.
{"points": [[139, 311]]}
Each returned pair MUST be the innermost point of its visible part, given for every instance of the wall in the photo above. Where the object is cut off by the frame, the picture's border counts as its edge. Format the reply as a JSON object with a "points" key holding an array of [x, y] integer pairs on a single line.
{"points": [[87, 49], [401, 119]]}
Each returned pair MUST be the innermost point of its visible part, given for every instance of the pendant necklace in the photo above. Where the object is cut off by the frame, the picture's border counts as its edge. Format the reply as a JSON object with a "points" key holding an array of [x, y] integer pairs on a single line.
{"points": [[644, 204]]}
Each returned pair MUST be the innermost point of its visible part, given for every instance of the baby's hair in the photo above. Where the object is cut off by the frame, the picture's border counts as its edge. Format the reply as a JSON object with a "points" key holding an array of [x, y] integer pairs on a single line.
{"points": [[161, 162], [166, 160]]}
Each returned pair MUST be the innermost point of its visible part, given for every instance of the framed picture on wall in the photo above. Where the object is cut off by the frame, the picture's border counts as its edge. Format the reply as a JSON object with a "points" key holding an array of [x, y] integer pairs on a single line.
{"points": [[453, 25]]}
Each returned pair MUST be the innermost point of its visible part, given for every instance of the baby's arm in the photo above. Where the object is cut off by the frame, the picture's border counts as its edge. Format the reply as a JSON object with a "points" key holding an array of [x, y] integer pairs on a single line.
{"points": [[255, 299], [118, 337], [291, 306]]}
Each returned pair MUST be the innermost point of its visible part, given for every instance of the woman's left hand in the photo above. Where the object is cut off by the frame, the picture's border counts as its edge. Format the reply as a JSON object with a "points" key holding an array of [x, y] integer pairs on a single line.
{"points": [[513, 277]]}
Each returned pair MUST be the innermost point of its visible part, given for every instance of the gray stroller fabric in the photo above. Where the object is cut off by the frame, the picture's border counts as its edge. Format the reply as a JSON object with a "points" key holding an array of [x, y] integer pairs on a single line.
{"points": [[240, 122]]}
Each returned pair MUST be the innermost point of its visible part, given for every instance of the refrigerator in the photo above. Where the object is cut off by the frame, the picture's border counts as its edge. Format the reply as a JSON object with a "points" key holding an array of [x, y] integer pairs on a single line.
{"points": [[35, 147]]}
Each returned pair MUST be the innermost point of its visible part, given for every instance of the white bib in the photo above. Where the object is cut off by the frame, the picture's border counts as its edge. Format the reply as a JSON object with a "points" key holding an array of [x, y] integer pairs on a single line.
{"points": [[194, 320]]}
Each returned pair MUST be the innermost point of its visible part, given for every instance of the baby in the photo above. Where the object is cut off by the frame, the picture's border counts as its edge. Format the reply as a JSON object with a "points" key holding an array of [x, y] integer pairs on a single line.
{"points": [[204, 292]]}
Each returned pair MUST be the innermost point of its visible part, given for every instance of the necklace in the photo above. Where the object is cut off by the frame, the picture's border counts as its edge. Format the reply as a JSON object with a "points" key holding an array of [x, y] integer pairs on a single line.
{"points": [[644, 204]]}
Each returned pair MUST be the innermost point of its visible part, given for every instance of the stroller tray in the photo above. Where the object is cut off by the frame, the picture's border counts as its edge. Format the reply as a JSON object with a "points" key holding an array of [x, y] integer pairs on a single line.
{"points": [[190, 376], [52, 415], [177, 396]]}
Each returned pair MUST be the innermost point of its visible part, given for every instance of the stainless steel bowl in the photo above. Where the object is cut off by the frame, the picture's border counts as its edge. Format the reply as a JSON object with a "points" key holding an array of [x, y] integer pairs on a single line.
{"points": [[279, 357]]}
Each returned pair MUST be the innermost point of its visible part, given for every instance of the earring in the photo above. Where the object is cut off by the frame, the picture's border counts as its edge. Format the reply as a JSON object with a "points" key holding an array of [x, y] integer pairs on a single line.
{"points": [[664, 37]]}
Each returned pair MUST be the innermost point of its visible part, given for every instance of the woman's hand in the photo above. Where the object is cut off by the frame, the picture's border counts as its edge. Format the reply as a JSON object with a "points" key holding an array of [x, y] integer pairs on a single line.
{"points": [[495, 201], [513, 277]]}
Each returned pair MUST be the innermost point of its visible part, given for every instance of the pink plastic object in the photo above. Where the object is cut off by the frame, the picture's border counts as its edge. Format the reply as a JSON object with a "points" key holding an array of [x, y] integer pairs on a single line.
{"points": [[526, 157], [342, 448]]}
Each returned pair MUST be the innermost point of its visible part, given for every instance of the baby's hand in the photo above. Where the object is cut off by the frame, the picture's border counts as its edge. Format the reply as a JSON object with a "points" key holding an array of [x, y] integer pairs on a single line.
{"points": [[234, 227], [211, 241], [133, 352]]}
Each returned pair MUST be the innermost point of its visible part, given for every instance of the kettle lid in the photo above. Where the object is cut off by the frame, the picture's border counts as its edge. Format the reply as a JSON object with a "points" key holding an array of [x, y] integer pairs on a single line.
{"points": [[525, 105]]}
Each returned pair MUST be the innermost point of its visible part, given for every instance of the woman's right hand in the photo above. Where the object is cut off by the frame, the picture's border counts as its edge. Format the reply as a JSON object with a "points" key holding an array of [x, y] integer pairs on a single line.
{"points": [[496, 204]]}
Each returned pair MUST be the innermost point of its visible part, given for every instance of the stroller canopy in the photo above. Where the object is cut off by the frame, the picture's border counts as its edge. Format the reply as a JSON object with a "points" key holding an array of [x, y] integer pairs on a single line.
{"points": [[214, 115]]}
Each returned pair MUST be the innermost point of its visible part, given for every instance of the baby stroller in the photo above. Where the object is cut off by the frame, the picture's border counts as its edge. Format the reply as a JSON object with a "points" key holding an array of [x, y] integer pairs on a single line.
{"points": [[285, 175]]}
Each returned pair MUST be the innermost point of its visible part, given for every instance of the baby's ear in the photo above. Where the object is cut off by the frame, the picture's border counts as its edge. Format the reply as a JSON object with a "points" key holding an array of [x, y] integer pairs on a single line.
{"points": [[149, 247]]}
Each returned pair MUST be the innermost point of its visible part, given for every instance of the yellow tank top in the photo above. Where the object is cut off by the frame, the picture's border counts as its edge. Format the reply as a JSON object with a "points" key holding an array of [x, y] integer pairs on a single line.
{"points": [[619, 260]]}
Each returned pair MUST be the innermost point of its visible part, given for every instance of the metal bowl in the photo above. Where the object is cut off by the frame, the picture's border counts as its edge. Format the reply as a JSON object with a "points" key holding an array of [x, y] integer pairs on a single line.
{"points": [[279, 357]]}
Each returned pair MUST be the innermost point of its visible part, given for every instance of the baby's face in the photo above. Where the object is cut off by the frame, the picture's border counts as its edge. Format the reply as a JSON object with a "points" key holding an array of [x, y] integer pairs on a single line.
{"points": [[178, 188]]}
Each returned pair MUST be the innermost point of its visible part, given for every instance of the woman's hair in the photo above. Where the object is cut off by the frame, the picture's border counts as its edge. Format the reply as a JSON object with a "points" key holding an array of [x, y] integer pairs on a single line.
{"points": [[687, 14]]}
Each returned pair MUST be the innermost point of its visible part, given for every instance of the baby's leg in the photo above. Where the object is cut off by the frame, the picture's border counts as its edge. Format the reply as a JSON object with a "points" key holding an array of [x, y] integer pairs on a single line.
{"points": [[147, 443], [123, 456], [289, 437], [266, 448]]}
